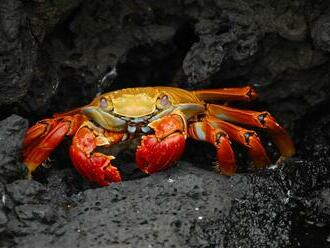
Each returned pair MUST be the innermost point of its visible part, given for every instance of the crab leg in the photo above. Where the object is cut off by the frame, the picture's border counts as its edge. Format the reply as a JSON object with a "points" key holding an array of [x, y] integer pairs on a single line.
{"points": [[245, 137], [161, 150], [94, 166], [204, 131], [42, 138], [227, 94], [256, 119]]}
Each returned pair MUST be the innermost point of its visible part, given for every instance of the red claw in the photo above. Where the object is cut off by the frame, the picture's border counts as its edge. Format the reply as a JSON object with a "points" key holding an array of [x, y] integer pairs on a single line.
{"points": [[96, 167], [164, 148], [154, 155]]}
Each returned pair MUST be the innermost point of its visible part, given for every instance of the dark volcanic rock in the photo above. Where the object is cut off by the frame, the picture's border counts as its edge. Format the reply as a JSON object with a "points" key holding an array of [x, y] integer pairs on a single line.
{"points": [[321, 32], [68, 46], [27, 192], [18, 53], [181, 207], [185, 206], [52, 57], [12, 131], [3, 216], [23, 26], [176, 208], [231, 38]]}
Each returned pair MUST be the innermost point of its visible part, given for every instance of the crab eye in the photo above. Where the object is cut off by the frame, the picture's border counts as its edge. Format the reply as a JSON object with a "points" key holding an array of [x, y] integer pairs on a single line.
{"points": [[163, 102], [104, 103]]}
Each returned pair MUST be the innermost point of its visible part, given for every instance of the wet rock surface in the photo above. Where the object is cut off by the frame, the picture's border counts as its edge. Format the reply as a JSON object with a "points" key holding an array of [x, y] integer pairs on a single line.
{"points": [[50, 50]]}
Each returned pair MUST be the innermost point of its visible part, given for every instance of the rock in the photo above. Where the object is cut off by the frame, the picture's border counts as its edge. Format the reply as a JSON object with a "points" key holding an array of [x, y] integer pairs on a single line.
{"points": [[3, 215], [204, 57], [18, 53], [232, 37], [30, 208], [23, 66], [12, 131], [321, 32], [42, 213], [53, 49], [69, 46], [181, 207], [27, 191], [3, 221], [292, 26], [185, 206]]}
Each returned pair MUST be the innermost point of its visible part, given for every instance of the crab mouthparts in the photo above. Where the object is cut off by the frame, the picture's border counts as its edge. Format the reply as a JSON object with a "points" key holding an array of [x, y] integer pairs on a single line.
{"points": [[133, 129]]}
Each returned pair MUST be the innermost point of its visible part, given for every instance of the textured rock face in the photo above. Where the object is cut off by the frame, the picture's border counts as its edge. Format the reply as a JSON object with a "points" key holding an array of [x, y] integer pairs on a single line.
{"points": [[49, 50], [12, 130], [182, 207], [186, 206], [53, 56], [176, 208]]}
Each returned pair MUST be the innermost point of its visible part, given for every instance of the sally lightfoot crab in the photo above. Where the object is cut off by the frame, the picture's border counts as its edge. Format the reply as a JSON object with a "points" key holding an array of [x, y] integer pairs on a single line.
{"points": [[163, 117]]}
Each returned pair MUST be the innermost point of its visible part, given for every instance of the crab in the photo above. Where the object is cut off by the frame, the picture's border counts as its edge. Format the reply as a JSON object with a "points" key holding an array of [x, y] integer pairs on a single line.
{"points": [[162, 118]]}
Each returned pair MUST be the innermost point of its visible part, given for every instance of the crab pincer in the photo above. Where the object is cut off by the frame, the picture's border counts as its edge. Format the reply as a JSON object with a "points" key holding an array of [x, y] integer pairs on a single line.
{"points": [[162, 149], [94, 166]]}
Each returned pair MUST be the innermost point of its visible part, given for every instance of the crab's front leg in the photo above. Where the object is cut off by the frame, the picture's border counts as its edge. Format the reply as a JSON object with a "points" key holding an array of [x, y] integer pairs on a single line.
{"points": [[42, 138], [162, 149], [94, 166]]}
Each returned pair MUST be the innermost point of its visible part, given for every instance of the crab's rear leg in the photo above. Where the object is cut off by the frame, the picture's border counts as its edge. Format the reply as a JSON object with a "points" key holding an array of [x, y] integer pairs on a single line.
{"points": [[203, 130], [94, 166], [256, 119], [245, 137], [43, 137], [227, 94]]}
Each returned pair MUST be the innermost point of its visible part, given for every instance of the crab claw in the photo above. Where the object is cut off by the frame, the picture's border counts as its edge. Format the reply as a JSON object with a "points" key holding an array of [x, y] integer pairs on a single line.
{"points": [[162, 149], [94, 166]]}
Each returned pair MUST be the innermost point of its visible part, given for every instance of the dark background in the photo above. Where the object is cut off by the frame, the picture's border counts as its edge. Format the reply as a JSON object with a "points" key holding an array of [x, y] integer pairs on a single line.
{"points": [[53, 55]]}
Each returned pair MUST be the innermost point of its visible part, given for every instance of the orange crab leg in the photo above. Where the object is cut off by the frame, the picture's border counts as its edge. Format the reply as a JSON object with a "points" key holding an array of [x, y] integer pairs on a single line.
{"points": [[227, 94], [219, 138], [161, 150], [94, 166], [256, 119], [42, 138], [37, 130], [245, 137]]}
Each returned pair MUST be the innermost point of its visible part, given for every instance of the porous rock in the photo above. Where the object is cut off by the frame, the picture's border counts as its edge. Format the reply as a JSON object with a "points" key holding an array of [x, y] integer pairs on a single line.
{"points": [[176, 208], [53, 50], [12, 130]]}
